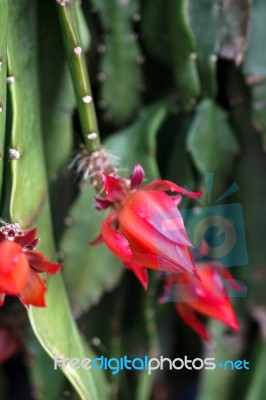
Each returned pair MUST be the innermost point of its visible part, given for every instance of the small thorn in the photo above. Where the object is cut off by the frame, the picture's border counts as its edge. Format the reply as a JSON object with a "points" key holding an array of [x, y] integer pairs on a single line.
{"points": [[193, 56], [95, 301], [1, 108], [136, 17], [1, 63], [14, 154], [214, 58], [60, 255], [10, 80], [102, 104], [78, 50], [87, 99], [92, 136], [63, 2], [96, 341], [101, 77], [142, 87], [107, 118], [134, 36], [141, 59], [101, 48], [68, 221]]}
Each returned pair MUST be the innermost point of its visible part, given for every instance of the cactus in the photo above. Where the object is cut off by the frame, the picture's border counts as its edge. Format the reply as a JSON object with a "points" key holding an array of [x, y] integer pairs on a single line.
{"points": [[97, 87]]}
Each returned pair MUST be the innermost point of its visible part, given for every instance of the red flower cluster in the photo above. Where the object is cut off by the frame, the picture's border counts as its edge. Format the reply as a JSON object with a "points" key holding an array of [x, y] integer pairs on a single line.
{"points": [[20, 265], [207, 296], [146, 229]]}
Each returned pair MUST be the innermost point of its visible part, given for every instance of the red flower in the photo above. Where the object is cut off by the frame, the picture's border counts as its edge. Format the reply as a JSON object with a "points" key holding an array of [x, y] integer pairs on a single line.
{"points": [[146, 229], [206, 296], [20, 265]]}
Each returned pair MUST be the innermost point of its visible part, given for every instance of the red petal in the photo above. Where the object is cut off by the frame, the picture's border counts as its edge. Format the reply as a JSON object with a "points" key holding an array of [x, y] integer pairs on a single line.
{"points": [[160, 211], [190, 318], [14, 268], [163, 185], [34, 293], [115, 241], [27, 238], [140, 272], [209, 297], [41, 264], [137, 177], [144, 238], [158, 263], [114, 188]]}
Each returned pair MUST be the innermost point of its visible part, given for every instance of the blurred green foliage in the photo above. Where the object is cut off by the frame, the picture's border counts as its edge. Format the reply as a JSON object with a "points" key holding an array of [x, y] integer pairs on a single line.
{"points": [[180, 87]]}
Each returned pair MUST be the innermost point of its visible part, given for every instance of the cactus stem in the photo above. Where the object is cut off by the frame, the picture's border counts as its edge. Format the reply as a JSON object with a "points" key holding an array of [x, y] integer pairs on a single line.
{"points": [[14, 154], [10, 80], [79, 73]]}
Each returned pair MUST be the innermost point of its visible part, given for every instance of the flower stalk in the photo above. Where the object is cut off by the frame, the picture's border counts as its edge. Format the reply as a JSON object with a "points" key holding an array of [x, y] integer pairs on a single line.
{"points": [[80, 77]]}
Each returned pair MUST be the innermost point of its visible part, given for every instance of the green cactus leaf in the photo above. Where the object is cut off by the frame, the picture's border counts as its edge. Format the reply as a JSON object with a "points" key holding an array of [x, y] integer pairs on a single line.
{"points": [[88, 270], [211, 140], [3, 73], [255, 59], [204, 25], [137, 143], [155, 29], [177, 164], [42, 373], [54, 325], [114, 12], [121, 58], [84, 33], [183, 53], [121, 96], [258, 93], [57, 95]]}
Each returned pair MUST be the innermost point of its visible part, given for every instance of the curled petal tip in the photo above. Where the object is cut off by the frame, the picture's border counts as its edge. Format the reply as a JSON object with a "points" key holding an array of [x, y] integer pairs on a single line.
{"points": [[102, 204], [114, 188], [137, 177], [96, 241]]}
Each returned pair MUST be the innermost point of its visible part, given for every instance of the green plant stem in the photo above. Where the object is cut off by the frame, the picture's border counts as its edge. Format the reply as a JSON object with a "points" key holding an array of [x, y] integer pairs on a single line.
{"points": [[80, 77], [146, 381]]}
